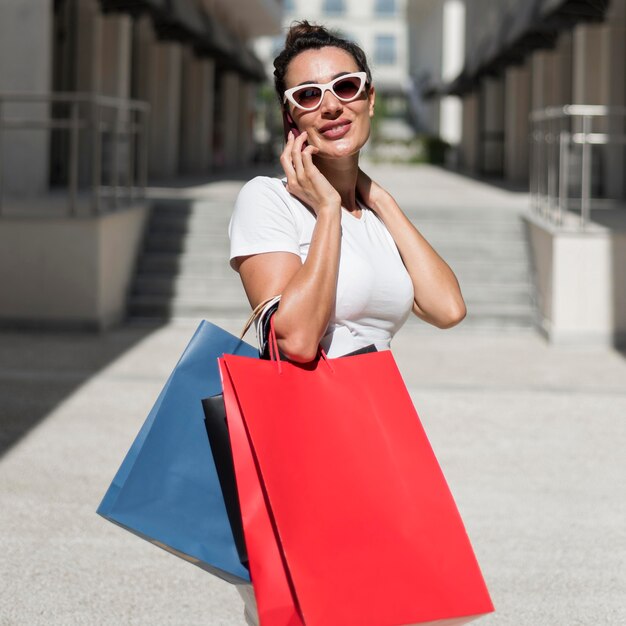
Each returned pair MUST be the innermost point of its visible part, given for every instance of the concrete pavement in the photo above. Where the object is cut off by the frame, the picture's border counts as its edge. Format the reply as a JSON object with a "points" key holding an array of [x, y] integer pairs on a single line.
{"points": [[530, 437]]}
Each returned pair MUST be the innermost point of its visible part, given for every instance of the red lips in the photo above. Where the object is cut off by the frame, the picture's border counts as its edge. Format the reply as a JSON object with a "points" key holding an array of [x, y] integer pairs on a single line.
{"points": [[335, 129]]}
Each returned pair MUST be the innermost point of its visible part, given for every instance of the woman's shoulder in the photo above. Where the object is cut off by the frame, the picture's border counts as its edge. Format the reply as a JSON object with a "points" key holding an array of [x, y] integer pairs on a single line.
{"points": [[266, 193], [262, 193], [265, 186]]}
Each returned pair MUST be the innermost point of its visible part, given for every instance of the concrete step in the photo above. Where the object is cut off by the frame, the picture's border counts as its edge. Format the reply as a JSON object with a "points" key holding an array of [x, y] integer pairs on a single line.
{"points": [[212, 261], [165, 307], [450, 250], [479, 236], [196, 263], [229, 288], [183, 286], [184, 269], [205, 221], [178, 242], [215, 223]]}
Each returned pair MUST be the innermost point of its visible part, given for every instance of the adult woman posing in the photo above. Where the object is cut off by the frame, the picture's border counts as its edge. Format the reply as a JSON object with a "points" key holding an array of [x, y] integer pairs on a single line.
{"points": [[347, 262]]}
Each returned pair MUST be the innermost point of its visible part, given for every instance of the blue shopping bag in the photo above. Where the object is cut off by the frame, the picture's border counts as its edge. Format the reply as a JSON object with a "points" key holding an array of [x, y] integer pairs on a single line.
{"points": [[167, 489]]}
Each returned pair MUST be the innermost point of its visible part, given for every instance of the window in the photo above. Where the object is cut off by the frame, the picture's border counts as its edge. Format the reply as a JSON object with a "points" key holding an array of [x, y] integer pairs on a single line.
{"points": [[385, 7], [334, 7], [385, 50]]}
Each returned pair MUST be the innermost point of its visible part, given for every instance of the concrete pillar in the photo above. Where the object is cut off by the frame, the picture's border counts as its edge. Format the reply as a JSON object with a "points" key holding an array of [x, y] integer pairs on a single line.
{"points": [[562, 70], [165, 101], [88, 77], [542, 80], [587, 79], [598, 78], [114, 58], [613, 69], [89, 61], [516, 126], [25, 66], [452, 58], [246, 121], [198, 89], [492, 126], [158, 76], [469, 138], [230, 95]]}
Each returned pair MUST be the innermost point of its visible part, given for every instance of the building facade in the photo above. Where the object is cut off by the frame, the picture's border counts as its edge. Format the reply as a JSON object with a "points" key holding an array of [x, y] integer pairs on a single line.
{"points": [[98, 97], [543, 100], [436, 56]]}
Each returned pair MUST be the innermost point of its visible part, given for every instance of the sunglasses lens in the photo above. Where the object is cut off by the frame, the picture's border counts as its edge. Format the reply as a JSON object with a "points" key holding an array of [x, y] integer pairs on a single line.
{"points": [[308, 97], [347, 88]]}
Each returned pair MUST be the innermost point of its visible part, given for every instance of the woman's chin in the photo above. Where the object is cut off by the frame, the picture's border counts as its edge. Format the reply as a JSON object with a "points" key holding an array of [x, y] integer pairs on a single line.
{"points": [[339, 149]]}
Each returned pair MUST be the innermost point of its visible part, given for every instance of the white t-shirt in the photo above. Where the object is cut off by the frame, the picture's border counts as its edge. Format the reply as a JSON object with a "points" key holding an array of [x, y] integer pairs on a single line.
{"points": [[374, 290]]}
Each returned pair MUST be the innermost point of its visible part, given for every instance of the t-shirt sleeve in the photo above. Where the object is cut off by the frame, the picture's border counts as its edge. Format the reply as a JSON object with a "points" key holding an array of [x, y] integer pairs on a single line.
{"points": [[262, 220]]}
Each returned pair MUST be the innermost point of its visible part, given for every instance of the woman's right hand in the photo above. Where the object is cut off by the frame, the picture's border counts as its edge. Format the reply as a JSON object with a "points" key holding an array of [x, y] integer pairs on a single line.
{"points": [[304, 180]]}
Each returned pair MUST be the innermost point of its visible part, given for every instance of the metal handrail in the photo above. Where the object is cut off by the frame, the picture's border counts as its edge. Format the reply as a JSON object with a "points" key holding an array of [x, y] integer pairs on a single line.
{"points": [[554, 131], [88, 113]]}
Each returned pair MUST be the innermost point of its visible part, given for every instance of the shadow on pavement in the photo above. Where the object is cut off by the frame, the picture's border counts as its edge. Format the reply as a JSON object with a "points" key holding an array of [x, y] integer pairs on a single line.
{"points": [[39, 370]]}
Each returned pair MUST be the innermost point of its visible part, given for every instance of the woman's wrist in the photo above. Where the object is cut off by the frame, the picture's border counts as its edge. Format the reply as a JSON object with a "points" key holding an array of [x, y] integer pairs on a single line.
{"points": [[330, 209]]}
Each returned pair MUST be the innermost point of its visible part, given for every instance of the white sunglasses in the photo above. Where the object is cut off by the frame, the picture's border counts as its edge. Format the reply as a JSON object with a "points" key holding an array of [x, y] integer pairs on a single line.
{"points": [[346, 88]]}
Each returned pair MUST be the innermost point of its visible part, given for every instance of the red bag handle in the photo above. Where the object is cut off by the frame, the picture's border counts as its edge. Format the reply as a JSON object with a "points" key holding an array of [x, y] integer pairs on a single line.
{"points": [[275, 355]]}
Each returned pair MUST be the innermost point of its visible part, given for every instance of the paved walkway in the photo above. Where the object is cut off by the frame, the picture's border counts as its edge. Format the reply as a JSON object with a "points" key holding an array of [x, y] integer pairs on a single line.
{"points": [[531, 439]]}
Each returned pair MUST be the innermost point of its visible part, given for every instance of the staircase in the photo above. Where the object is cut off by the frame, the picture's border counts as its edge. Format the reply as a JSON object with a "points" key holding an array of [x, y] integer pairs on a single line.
{"points": [[183, 270], [486, 248]]}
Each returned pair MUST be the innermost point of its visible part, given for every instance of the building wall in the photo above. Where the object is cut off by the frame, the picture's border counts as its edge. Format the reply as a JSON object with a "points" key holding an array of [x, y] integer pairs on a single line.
{"points": [[586, 65], [437, 52], [361, 23], [25, 67], [70, 263]]}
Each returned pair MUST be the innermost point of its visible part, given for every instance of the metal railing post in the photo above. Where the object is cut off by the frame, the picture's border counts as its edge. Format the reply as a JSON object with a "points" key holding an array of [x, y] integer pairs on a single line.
{"points": [[542, 169], [564, 145], [96, 156], [532, 163], [552, 165], [1, 155], [585, 193], [143, 174], [130, 139], [114, 178], [74, 148]]}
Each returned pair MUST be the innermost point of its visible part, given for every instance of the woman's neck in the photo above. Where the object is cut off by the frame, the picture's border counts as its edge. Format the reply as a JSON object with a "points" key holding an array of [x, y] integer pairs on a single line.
{"points": [[342, 175]]}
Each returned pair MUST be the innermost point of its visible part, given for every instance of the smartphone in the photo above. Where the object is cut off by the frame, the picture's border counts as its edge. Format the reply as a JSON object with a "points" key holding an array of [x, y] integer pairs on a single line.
{"points": [[290, 125]]}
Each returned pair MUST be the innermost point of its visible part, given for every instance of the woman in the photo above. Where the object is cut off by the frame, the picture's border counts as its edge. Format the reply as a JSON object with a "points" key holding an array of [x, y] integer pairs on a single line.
{"points": [[348, 264]]}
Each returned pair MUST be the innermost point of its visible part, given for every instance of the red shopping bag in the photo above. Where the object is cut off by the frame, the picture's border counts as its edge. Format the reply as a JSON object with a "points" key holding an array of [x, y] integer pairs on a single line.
{"points": [[275, 601], [366, 527]]}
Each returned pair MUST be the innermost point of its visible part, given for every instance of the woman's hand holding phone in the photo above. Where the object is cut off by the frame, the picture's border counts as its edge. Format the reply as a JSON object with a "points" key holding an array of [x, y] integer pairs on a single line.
{"points": [[304, 180]]}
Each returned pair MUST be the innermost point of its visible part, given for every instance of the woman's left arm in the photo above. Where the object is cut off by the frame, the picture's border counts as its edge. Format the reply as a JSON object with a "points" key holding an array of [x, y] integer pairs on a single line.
{"points": [[438, 299]]}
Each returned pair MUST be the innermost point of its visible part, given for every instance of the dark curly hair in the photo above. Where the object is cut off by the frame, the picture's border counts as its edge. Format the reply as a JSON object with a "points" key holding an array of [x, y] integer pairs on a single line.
{"points": [[303, 36]]}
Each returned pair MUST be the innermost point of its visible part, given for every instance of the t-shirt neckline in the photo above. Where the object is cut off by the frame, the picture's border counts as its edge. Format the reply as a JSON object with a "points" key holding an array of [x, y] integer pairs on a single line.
{"points": [[354, 217]]}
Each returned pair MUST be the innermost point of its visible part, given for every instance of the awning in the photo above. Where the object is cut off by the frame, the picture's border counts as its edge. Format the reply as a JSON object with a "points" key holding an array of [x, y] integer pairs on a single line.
{"points": [[531, 25], [461, 85], [181, 21], [570, 12], [186, 22], [134, 7], [251, 66], [217, 43], [229, 53]]}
